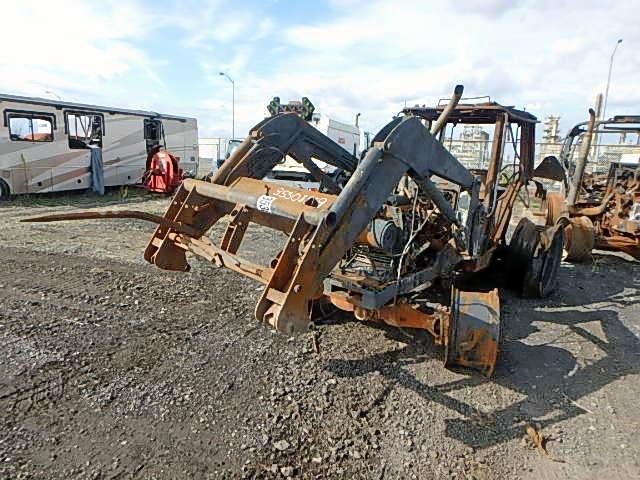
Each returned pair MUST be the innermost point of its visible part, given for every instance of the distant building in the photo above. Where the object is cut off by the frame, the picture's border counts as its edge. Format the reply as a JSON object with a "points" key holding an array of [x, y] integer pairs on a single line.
{"points": [[551, 140], [472, 147]]}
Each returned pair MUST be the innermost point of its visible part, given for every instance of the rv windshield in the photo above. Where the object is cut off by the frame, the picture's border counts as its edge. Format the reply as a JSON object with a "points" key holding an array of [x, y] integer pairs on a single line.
{"points": [[232, 146]]}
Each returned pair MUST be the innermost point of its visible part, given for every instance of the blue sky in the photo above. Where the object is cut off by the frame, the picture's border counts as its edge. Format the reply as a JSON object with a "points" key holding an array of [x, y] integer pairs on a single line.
{"points": [[347, 56]]}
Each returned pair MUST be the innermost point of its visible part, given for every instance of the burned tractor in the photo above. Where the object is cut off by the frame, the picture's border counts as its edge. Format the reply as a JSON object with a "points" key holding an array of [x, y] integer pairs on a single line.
{"points": [[604, 207], [400, 243]]}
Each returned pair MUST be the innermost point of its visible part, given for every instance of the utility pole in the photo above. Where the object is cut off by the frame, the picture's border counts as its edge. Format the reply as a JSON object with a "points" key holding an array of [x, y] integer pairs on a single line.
{"points": [[49, 92], [233, 104], [606, 92]]}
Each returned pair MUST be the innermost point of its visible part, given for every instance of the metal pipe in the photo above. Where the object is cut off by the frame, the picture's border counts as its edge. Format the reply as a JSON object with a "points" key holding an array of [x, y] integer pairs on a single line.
{"points": [[596, 146], [582, 159], [442, 119], [436, 196], [233, 104], [591, 211], [497, 151], [261, 202]]}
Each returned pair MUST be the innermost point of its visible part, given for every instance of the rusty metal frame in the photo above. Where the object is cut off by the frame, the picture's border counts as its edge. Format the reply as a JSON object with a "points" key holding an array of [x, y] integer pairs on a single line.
{"points": [[320, 236], [609, 213]]}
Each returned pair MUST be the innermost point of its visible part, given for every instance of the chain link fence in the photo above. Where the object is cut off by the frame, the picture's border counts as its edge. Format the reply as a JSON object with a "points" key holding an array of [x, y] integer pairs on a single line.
{"points": [[475, 154], [210, 150]]}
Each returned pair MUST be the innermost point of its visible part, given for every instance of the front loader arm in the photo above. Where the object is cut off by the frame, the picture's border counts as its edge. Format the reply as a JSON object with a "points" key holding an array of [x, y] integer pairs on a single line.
{"points": [[272, 139], [267, 144], [321, 227]]}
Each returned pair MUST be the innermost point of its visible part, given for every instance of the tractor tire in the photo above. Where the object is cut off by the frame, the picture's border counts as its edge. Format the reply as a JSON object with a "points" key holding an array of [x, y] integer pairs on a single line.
{"points": [[5, 191], [546, 282], [535, 255], [523, 243], [579, 239]]}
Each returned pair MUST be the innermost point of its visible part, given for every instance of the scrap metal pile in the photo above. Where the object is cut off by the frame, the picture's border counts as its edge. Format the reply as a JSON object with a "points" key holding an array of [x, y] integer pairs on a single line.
{"points": [[401, 242], [604, 208]]}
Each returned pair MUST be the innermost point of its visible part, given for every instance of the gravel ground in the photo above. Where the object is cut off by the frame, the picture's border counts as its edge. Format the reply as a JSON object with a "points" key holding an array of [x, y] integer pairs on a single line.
{"points": [[111, 368]]}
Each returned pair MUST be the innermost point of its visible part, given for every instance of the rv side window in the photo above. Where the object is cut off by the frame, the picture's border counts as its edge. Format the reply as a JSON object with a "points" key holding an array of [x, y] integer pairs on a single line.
{"points": [[30, 129], [84, 129]]}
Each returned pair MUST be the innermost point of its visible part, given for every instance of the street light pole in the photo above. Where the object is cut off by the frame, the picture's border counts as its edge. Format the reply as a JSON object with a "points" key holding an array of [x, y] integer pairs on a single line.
{"points": [[606, 92], [49, 92], [233, 104]]}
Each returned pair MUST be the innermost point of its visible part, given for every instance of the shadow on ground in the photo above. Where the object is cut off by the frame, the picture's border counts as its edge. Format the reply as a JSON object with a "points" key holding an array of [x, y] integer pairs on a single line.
{"points": [[547, 375]]}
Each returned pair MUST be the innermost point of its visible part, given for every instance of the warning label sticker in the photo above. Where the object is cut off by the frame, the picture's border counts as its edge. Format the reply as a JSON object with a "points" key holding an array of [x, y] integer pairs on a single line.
{"points": [[264, 203]]}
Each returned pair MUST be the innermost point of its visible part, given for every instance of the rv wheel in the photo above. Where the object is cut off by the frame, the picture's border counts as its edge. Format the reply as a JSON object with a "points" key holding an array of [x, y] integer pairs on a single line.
{"points": [[5, 191]]}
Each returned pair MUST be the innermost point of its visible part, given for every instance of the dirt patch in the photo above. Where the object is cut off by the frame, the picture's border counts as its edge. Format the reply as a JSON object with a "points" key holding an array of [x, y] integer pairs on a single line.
{"points": [[112, 368]]}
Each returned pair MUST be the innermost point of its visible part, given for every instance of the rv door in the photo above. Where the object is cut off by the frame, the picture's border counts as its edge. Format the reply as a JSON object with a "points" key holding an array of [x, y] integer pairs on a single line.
{"points": [[153, 133]]}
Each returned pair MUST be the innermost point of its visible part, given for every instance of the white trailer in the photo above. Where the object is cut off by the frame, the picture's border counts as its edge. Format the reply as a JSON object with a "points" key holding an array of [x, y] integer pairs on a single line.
{"points": [[44, 144], [345, 135]]}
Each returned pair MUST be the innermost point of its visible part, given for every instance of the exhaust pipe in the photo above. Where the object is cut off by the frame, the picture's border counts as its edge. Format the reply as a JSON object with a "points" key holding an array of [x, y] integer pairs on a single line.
{"points": [[442, 119], [581, 164]]}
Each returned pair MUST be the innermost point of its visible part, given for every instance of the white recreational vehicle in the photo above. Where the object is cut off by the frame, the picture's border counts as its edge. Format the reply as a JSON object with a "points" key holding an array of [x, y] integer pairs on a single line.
{"points": [[45, 144]]}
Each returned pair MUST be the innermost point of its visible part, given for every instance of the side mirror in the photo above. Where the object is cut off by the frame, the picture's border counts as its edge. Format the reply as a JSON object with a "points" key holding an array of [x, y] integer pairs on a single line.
{"points": [[550, 168]]}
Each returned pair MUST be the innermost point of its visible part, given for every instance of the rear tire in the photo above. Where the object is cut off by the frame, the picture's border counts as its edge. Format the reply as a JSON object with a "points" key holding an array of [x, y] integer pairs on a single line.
{"points": [[534, 260], [5, 191], [546, 281]]}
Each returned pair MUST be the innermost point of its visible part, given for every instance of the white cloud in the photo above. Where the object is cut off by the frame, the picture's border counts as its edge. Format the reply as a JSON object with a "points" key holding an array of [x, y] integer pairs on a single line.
{"points": [[363, 56], [72, 46], [371, 56]]}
